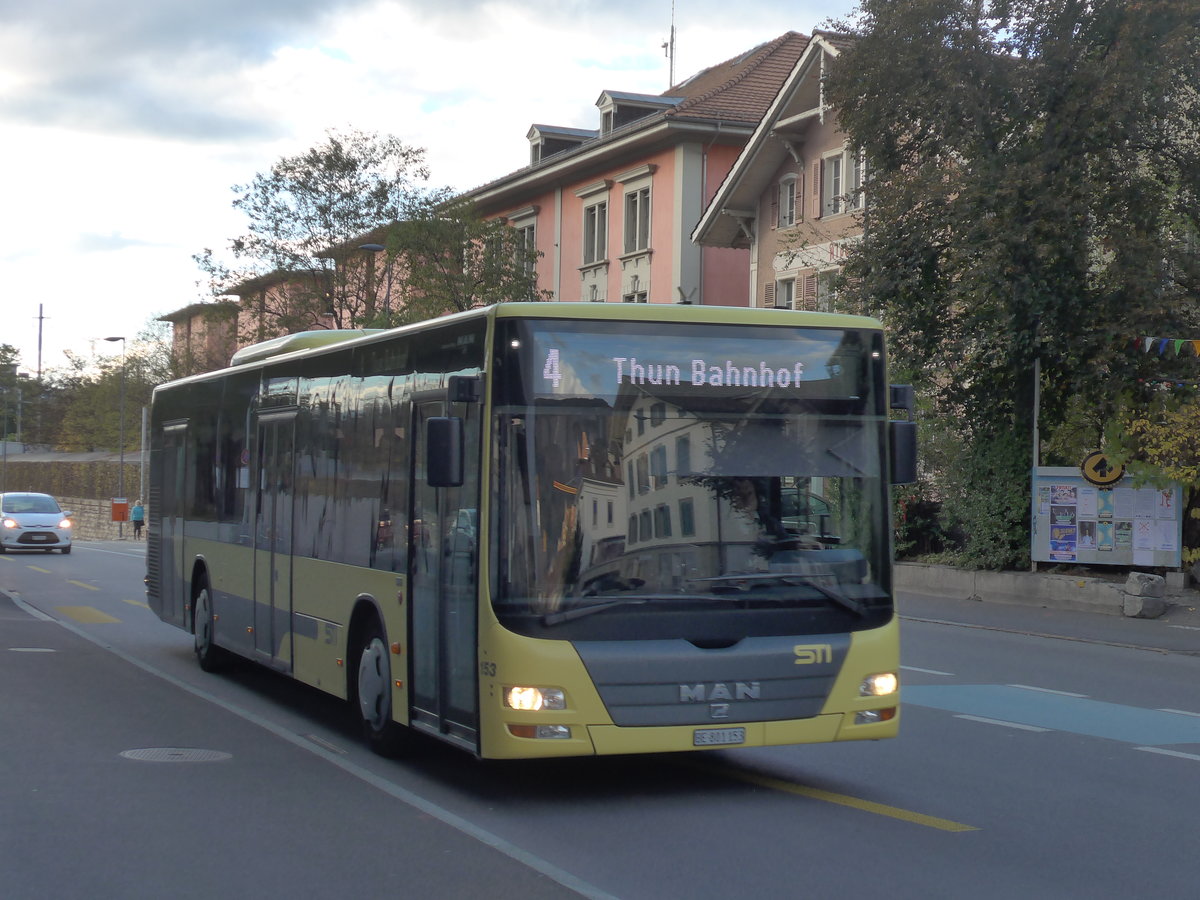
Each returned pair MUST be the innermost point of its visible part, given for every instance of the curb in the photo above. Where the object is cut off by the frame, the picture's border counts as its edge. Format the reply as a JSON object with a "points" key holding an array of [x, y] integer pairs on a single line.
{"points": [[1094, 595]]}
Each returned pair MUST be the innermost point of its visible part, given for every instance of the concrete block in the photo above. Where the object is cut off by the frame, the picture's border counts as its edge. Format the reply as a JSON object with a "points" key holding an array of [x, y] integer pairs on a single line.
{"points": [[1176, 581], [1139, 607], [1143, 584]]}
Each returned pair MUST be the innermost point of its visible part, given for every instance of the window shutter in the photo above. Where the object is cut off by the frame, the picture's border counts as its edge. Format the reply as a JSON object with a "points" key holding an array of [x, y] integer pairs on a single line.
{"points": [[815, 189], [808, 297], [769, 294], [800, 198]]}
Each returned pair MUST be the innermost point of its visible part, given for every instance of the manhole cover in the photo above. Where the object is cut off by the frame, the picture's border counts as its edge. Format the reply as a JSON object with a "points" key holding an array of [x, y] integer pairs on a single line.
{"points": [[175, 754]]}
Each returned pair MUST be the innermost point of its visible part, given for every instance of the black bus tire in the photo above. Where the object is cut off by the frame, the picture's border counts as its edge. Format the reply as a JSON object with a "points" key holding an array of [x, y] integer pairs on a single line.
{"points": [[372, 693], [211, 657]]}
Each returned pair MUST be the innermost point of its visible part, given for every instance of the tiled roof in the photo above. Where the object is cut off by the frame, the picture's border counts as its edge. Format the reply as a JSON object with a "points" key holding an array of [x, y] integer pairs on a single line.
{"points": [[741, 88], [737, 91]]}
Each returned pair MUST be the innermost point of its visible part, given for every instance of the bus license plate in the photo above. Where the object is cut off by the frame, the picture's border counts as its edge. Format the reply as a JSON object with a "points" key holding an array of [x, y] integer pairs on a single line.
{"points": [[708, 737]]}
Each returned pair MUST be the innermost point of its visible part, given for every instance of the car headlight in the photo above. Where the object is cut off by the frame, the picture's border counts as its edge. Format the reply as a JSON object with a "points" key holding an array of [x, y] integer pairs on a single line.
{"points": [[65, 523], [11, 523]]}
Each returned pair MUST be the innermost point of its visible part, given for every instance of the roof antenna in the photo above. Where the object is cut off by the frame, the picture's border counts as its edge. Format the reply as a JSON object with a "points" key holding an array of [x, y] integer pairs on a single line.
{"points": [[669, 47]]}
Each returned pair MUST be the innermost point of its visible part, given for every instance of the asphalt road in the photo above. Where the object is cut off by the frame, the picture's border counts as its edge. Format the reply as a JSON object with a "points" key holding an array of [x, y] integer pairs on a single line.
{"points": [[1043, 754]]}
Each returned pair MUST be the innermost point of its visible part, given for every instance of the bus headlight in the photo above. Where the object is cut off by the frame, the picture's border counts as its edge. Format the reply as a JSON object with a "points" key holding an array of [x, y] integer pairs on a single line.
{"points": [[534, 698], [879, 685]]}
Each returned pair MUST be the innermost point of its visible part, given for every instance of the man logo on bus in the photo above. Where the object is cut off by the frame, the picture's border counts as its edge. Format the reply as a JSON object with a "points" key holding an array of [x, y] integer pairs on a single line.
{"points": [[809, 654], [737, 690]]}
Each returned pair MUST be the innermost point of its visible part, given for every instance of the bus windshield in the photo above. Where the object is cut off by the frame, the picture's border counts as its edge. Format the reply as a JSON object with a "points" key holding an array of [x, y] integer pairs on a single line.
{"points": [[691, 481]]}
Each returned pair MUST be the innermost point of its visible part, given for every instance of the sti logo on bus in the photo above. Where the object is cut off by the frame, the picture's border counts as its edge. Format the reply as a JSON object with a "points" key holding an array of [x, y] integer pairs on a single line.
{"points": [[809, 654]]}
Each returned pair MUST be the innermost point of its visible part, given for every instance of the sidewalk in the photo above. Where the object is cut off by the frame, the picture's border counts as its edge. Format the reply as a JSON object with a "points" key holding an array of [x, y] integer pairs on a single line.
{"points": [[1065, 606]]}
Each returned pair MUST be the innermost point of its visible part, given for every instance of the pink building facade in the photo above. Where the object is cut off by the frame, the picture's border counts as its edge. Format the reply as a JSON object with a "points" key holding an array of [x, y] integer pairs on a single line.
{"points": [[611, 210]]}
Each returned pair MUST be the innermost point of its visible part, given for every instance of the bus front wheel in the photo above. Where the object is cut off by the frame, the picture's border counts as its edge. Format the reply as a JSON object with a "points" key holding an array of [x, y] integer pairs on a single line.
{"points": [[373, 694]]}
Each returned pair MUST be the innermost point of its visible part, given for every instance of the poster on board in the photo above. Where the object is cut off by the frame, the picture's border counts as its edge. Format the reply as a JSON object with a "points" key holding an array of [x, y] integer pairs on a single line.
{"points": [[1117, 525]]}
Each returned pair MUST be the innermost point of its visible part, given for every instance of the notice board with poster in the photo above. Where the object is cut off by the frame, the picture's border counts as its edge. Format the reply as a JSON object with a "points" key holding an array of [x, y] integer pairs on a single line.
{"points": [[1075, 521]]}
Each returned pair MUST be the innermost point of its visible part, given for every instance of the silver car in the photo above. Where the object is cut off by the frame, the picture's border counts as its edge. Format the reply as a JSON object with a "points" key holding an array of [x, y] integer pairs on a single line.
{"points": [[33, 522]]}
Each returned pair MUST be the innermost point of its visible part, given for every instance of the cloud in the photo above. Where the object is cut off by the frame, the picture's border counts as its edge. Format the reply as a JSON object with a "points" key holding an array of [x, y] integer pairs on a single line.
{"points": [[155, 67], [107, 243]]}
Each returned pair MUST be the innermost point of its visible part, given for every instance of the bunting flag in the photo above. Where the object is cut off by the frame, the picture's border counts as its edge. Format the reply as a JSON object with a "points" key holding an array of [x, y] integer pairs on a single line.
{"points": [[1161, 346]]}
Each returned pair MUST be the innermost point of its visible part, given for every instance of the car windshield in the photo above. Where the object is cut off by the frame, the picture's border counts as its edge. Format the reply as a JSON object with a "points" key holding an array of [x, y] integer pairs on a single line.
{"points": [[709, 512], [30, 503]]}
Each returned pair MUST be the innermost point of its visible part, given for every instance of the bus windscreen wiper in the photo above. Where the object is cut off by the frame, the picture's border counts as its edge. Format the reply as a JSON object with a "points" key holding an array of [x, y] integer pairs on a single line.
{"points": [[746, 582]]}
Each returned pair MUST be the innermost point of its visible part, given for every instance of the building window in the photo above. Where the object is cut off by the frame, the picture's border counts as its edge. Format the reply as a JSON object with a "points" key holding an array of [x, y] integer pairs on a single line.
{"points": [[595, 233], [658, 414], [787, 202], [662, 521], [683, 455], [857, 170], [646, 525], [636, 293], [841, 177], [637, 220], [526, 246], [658, 466], [832, 186], [687, 517], [785, 294], [633, 531]]}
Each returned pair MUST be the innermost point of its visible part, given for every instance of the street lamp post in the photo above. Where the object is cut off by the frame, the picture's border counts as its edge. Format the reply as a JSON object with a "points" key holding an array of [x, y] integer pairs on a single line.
{"points": [[121, 438]]}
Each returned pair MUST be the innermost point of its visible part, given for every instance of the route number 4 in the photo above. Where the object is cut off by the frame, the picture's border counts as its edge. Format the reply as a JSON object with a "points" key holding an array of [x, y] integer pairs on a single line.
{"points": [[551, 371]]}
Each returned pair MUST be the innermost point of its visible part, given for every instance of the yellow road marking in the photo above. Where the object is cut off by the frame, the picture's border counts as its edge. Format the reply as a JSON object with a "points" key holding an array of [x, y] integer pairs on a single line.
{"points": [[141, 603], [6, 558], [879, 809], [90, 587], [88, 615], [39, 569]]}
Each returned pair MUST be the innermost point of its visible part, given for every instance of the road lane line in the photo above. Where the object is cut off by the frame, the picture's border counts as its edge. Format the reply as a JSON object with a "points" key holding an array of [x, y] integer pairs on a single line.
{"points": [[1026, 687], [926, 671], [141, 603], [88, 615], [1002, 722], [90, 587], [39, 569], [791, 787], [1181, 712], [1164, 752]]}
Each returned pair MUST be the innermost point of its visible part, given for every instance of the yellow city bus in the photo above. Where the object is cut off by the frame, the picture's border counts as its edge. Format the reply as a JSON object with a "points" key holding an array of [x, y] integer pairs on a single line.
{"points": [[548, 529]]}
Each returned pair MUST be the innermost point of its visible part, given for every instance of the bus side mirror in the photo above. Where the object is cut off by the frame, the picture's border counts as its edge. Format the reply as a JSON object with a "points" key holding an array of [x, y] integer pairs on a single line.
{"points": [[444, 451], [902, 447]]}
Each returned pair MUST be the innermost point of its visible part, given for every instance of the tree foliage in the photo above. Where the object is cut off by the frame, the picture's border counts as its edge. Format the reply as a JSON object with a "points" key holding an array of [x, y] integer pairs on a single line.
{"points": [[348, 235], [1033, 168], [307, 215], [452, 259]]}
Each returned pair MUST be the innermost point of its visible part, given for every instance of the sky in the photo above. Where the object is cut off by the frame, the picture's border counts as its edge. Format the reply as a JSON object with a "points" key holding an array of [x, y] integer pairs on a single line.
{"points": [[125, 126]]}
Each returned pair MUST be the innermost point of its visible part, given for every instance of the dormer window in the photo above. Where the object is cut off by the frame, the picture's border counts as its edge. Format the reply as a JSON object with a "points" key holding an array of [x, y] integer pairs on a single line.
{"points": [[618, 108], [547, 140]]}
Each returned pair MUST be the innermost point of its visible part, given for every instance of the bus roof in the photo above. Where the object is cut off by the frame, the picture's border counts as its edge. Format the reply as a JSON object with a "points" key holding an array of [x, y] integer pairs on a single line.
{"points": [[313, 342]]}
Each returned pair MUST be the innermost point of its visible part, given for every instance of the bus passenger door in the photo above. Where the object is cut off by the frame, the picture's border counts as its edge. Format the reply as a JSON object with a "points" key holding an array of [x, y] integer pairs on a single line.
{"points": [[273, 540], [167, 505], [443, 587]]}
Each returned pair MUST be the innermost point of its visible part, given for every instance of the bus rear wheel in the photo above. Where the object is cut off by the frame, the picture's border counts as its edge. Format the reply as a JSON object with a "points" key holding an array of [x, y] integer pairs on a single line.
{"points": [[211, 657], [373, 694]]}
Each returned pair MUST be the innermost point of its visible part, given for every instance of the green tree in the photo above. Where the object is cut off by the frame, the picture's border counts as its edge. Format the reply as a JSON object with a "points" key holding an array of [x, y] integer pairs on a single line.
{"points": [[85, 398], [1032, 183], [308, 217], [451, 259]]}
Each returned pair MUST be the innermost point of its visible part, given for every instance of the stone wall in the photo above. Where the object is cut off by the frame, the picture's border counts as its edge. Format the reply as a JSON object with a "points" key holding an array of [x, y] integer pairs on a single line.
{"points": [[93, 520]]}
